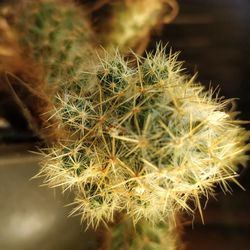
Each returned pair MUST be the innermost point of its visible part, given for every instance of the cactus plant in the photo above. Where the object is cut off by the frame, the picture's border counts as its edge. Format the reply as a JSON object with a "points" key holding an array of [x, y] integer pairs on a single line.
{"points": [[142, 140], [139, 138]]}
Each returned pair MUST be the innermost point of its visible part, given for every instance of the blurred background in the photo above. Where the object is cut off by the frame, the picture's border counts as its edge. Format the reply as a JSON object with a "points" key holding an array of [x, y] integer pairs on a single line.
{"points": [[214, 39]]}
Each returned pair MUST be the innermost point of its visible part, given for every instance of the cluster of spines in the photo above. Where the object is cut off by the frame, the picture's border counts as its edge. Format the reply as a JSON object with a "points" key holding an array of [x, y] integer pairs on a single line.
{"points": [[143, 139]]}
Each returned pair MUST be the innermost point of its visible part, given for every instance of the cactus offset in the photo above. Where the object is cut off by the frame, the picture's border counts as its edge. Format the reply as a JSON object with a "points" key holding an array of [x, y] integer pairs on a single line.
{"points": [[143, 140]]}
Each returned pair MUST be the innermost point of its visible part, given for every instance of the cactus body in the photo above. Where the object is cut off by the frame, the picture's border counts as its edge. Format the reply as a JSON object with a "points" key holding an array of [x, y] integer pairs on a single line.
{"points": [[144, 140]]}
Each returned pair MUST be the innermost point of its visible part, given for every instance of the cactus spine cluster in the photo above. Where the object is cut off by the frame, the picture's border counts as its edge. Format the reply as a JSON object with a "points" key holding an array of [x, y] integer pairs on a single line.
{"points": [[143, 139]]}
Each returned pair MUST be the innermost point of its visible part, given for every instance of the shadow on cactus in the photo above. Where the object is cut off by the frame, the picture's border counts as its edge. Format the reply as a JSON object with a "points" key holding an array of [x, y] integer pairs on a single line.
{"points": [[142, 138]]}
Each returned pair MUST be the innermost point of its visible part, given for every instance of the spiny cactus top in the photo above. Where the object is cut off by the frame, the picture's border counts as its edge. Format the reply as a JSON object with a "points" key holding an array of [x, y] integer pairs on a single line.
{"points": [[142, 138]]}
